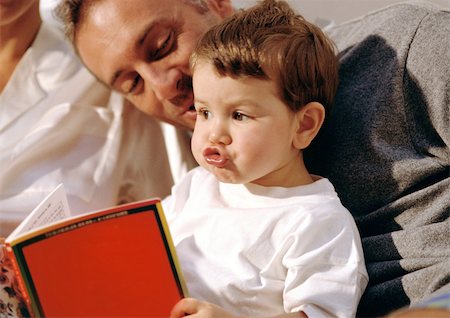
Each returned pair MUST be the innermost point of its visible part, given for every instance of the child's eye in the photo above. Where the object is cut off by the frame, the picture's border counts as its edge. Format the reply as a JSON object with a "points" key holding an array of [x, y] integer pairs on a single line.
{"points": [[205, 114], [240, 116]]}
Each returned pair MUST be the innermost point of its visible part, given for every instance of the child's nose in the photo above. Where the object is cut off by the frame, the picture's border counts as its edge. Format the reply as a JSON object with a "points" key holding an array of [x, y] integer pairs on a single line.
{"points": [[219, 134]]}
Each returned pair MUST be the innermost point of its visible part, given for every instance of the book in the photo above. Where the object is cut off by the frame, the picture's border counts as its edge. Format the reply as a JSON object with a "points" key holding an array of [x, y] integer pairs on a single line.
{"points": [[115, 262]]}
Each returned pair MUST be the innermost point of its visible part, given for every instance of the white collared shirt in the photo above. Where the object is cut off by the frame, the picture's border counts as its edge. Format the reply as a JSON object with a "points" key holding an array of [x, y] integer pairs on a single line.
{"points": [[59, 125]]}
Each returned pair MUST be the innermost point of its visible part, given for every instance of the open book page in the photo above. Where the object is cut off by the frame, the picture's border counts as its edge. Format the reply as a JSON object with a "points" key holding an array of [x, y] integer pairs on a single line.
{"points": [[53, 208]]}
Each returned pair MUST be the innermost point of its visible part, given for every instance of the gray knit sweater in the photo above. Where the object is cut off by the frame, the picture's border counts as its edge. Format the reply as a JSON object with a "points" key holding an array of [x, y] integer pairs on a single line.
{"points": [[386, 148]]}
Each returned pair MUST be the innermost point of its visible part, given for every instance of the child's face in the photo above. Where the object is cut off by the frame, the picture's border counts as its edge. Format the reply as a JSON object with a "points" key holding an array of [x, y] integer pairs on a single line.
{"points": [[243, 132]]}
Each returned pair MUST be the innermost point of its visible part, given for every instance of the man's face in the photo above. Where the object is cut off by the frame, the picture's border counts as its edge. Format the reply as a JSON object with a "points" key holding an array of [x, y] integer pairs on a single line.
{"points": [[141, 49]]}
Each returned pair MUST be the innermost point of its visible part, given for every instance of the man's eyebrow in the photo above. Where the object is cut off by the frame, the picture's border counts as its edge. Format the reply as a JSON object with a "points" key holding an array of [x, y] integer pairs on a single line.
{"points": [[141, 38]]}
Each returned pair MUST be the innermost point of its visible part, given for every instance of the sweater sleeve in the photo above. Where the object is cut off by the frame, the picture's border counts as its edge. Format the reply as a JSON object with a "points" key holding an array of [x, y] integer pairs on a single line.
{"points": [[427, 87], [386, 149]]}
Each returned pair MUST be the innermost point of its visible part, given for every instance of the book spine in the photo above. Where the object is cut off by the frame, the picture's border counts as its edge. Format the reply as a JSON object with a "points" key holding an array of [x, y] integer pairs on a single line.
{"points": [[17, 283]]}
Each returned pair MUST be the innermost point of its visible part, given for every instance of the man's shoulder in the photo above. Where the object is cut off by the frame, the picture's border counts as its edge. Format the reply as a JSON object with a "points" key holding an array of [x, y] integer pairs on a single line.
{"points": [[390, 22]]}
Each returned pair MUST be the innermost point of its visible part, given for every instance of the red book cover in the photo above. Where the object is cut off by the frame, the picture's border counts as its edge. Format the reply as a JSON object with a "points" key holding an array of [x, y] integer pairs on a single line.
{"points": [[112, 263]]}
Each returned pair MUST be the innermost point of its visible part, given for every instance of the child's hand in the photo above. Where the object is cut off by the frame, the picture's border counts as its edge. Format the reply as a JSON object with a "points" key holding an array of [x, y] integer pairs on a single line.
{"points": [[190, 307]]}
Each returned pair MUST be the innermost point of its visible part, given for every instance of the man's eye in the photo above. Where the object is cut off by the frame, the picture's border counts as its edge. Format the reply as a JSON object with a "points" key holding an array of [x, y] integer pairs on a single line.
{"points": [[240, 116], [163, 49], [134, 84], [130, 84]]}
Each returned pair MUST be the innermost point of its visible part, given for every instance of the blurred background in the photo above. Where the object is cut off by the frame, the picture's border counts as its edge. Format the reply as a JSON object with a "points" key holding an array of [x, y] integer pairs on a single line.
{"points": [[321, 12]]}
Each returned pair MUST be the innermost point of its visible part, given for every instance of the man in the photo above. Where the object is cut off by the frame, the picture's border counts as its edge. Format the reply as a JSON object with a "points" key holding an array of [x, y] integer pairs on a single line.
{"points": [[58, 124], [142, 49], [388, 135]]}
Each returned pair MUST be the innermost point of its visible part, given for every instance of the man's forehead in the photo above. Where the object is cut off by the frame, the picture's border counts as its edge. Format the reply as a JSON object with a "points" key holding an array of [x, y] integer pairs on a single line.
{"points": [[109, 12], [112, 21]]}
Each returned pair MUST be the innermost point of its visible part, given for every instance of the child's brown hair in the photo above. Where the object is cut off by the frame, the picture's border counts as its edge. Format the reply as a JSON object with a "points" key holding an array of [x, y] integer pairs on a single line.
{"points": [[270, 41]]}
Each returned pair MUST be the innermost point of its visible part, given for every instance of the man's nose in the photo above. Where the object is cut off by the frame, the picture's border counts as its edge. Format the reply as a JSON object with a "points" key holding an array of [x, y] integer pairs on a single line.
{"points": [[219, 133], [162, 81]]}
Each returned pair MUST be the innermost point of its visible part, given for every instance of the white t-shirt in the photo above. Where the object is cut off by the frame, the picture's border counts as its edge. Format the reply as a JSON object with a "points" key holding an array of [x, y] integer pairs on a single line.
{"points": [[267, 250], [59, 125]]}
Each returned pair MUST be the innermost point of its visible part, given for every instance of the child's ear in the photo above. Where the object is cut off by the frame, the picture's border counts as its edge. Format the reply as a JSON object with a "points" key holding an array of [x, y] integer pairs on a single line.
{"points": [[309, 119]]}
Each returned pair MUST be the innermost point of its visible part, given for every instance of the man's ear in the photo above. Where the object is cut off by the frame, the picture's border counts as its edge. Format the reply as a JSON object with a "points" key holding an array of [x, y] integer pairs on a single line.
{"points": [[309, 119], [223, 8]]}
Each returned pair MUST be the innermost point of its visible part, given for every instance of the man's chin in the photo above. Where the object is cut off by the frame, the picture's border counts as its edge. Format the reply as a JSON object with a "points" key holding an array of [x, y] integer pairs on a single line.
{"points": [[181, 124], [187, 126], [187, 121]]}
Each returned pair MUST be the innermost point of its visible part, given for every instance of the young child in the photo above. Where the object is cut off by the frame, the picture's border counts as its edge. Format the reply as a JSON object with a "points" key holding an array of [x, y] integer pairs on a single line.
{"points": [[255, 233]]}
